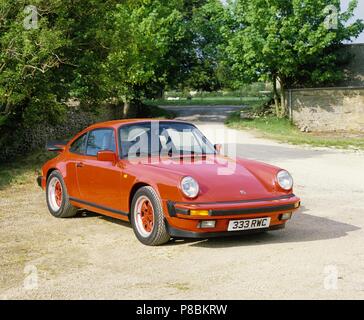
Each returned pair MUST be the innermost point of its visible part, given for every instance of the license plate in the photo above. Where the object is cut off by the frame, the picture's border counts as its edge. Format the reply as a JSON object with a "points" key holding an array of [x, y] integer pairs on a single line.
{"points": [[249, 224]]}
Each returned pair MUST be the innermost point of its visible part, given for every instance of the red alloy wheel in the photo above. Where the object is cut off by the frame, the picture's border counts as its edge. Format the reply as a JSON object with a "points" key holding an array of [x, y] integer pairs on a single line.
{"points": [[58, 193], [147, 215]]}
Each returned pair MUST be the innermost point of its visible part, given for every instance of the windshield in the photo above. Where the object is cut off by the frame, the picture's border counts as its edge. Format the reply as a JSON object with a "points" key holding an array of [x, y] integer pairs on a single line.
{"points": [[164, 139]]}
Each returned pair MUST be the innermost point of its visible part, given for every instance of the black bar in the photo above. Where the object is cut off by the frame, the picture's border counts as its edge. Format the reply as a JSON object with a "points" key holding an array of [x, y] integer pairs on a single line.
{"points": [[91, 204], [229, 212], [186, 309]]}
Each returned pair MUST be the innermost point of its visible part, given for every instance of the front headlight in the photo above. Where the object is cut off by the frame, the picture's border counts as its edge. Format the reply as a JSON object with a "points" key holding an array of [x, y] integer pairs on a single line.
{"points": [[285, 180], [189, 187]]}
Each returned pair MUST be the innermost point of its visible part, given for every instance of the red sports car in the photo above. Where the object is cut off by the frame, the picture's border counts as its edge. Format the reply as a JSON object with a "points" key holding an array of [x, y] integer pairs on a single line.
{"points": [[167, 179]]}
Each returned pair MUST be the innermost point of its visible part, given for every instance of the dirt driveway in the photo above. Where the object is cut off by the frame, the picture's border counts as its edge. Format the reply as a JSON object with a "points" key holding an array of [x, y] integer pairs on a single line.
{"points": [[319, 255]]}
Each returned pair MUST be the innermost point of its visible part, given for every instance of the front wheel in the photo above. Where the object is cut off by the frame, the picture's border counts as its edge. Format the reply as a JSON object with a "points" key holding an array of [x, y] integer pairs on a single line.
{"points": [[147, 218], [57, 197]]}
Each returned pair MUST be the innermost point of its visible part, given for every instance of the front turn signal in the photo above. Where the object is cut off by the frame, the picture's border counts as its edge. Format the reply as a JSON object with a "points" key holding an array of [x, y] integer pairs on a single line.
{"points": [[199, 212]]}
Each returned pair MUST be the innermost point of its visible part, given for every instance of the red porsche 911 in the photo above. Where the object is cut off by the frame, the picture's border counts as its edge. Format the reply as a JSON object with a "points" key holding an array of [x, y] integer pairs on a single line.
{"points": [[167, 179]]}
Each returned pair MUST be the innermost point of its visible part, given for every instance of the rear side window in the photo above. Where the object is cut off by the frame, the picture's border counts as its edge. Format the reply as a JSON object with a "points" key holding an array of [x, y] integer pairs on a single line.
{"points": [[99, 140], [79, 145]]}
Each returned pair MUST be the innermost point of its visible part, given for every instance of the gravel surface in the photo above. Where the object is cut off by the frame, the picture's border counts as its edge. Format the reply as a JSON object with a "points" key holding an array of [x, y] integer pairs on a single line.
{"points": [[319, 255]]}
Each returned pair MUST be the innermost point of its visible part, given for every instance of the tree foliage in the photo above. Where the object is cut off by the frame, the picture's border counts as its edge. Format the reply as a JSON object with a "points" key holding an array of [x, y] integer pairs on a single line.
{"points": [[124, 50], [206, 54], [27, 58], [93, 51], [42, 67], [142, 32], [288, 41]]}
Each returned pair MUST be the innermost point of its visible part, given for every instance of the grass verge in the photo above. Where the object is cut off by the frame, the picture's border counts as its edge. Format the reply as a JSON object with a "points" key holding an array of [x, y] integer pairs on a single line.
{"points": [[23, 170], [284, 131]]}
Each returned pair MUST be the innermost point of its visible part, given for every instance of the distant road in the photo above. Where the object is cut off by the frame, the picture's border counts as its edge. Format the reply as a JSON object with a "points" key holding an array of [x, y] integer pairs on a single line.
{"points": [[202, 113]]}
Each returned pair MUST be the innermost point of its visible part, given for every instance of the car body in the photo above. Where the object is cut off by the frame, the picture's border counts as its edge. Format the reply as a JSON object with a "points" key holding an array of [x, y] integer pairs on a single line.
{"points": [[170, 190]]}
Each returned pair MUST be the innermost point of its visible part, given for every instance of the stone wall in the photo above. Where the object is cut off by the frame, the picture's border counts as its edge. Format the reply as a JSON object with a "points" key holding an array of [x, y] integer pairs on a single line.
{"points": [[333, 109], [25, 140], [328, 109]]}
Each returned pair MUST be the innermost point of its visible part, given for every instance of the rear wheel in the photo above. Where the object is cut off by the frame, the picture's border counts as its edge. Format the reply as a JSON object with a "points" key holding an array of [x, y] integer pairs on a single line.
{"points": [[57, 197], [147, 218]]}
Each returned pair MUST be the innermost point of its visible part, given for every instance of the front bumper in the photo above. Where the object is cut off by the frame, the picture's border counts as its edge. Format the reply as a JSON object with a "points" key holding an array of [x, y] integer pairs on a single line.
{"points": [[181, 223], [178, 233], [245, 207]]}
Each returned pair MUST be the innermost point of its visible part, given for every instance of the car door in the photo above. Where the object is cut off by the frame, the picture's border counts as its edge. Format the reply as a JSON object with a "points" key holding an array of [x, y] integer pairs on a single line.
{"points": [[74, 156], [99, 182]]}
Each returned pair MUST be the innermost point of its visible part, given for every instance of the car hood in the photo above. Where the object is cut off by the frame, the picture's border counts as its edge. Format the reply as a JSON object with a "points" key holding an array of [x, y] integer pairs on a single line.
{"points": [[221, 178]]}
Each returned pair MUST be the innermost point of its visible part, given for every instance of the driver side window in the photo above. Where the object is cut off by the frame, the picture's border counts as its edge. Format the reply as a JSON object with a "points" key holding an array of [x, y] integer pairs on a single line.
{"points": [[100, 140]]}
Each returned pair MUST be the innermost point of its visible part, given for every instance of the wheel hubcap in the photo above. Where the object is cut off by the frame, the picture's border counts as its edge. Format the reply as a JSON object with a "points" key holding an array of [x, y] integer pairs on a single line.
{"points": [[144, 216], [55, 194], [58, 193]]}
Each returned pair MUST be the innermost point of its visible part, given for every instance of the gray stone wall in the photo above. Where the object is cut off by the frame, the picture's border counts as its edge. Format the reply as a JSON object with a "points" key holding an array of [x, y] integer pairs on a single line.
{"points": [[333, 109], [328, 109]]}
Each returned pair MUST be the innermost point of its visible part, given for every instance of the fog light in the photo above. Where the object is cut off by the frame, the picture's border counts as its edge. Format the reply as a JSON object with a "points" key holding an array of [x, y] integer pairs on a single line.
{"points": [[297, 205], [286, 216], [199, 212], [208, 224]]}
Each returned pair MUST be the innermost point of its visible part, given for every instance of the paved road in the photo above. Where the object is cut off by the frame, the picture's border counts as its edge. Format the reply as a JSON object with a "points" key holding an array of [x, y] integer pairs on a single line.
{"points": [[202, 113], [319, 255]]}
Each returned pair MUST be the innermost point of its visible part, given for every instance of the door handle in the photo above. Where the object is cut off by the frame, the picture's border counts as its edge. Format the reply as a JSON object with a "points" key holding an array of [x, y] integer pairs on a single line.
{"points": [[79, 164]]}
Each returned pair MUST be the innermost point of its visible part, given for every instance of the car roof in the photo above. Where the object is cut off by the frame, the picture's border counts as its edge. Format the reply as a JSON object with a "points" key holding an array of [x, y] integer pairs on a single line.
{"points": [[118, 123]]}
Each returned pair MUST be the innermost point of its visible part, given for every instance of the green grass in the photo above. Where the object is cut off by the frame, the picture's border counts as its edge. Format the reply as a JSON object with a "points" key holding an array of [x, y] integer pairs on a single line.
{"points": [[23, 169], [208, 101], [284, 131]]}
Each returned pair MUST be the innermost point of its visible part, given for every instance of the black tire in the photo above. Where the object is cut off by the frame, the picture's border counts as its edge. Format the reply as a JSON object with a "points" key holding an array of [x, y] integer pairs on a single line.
{"points": [[159, 234], [66, 209]]}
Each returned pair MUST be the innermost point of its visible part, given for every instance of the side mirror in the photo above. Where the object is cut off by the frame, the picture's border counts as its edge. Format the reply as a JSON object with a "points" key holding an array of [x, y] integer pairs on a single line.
{"points": [[218, 148], [107, 156]]}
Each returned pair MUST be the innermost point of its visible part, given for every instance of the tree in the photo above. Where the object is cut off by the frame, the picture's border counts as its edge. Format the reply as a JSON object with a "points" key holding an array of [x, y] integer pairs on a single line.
{"points": [[142, 32], [205, 47], [155, 44], [287, 40], [87, 25], [57, 58], [27, 58], [93, 51]]}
